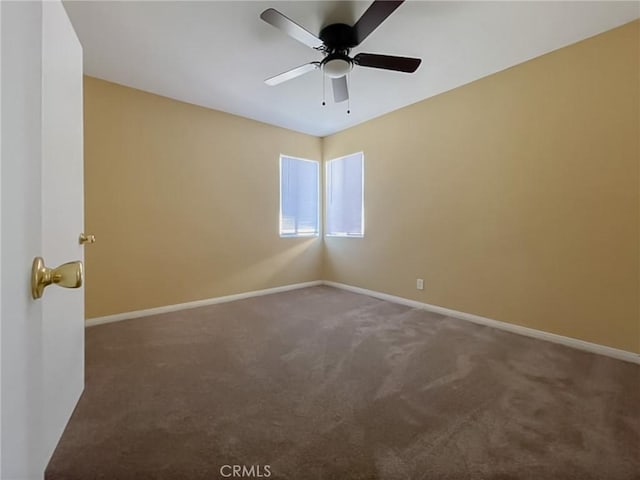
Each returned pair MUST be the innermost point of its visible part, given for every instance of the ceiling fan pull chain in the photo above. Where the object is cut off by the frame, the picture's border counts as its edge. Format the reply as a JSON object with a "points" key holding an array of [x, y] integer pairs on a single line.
{"points": [[323, 90], [349, 97]]}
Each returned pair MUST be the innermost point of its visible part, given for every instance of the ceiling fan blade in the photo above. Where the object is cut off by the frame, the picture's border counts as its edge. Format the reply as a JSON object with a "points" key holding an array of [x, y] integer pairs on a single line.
{"points": [[387, 62], [291, 28], [340, 89], [377, 13], [293, 73]]}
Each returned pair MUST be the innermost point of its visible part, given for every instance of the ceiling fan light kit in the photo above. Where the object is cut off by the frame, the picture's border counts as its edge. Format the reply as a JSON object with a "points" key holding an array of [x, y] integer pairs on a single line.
{"points": [[335, 42], [336, 65]]}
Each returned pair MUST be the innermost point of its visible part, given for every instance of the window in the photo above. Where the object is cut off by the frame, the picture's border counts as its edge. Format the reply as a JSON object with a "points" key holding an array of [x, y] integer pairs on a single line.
{"points": [[299, 192], [345, 189]]}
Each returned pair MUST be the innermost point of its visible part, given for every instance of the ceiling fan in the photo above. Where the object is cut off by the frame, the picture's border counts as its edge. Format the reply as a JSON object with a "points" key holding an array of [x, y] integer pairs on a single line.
{"points": [[335, 41]]}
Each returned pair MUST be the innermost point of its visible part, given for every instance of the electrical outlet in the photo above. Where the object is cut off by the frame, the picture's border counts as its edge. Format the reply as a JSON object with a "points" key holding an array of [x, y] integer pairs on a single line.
{"points": [[420, 284]]}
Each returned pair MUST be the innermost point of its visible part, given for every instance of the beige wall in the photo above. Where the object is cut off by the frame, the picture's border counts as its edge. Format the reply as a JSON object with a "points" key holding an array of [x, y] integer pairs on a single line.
{"points": [[515, 197], [184, 202]]}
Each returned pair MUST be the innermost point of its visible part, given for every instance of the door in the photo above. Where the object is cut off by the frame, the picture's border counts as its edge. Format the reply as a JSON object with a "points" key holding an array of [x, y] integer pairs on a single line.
{"points": [[42, 341]]}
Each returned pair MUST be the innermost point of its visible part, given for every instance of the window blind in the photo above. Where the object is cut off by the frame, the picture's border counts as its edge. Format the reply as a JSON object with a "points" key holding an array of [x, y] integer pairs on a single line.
{"points": [[345, 207], [298, 197]]}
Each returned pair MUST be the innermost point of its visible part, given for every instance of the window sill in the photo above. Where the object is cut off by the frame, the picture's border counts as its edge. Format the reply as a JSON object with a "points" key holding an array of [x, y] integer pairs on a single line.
{"points": [[344, 235], [299, 235]]}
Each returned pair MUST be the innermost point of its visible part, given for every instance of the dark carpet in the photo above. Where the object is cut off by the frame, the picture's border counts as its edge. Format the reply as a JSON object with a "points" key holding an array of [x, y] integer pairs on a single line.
{"points": [[325, 384]]}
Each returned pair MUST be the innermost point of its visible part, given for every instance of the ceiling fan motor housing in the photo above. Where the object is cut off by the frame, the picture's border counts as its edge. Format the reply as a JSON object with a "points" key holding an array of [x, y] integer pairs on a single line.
{"points": [[338, 37]]}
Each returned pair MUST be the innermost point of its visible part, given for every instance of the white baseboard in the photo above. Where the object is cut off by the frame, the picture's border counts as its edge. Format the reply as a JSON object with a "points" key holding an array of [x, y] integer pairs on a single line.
{"points": [[509, 327], [90, 322]]}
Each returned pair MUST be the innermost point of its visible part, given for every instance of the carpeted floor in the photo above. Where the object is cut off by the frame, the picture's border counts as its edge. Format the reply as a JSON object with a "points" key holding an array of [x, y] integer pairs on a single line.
{"points": [[325, 384]]}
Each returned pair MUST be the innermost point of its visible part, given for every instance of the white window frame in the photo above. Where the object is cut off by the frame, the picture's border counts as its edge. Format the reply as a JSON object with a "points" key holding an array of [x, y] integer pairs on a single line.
{"points": [[326, 189], [318, 193]]}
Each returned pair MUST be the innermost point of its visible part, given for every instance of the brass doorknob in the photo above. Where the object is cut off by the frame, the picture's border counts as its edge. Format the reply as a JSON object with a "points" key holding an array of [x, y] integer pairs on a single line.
{"points": [[86, 238], [68, 275]]}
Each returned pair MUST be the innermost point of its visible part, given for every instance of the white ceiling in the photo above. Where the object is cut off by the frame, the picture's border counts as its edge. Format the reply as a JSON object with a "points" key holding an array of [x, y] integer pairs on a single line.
{"points": [[217, 54]]}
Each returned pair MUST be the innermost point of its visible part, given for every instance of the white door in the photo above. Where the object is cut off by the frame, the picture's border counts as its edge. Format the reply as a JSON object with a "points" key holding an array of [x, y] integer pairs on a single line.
{"points": [[42, 341]]}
